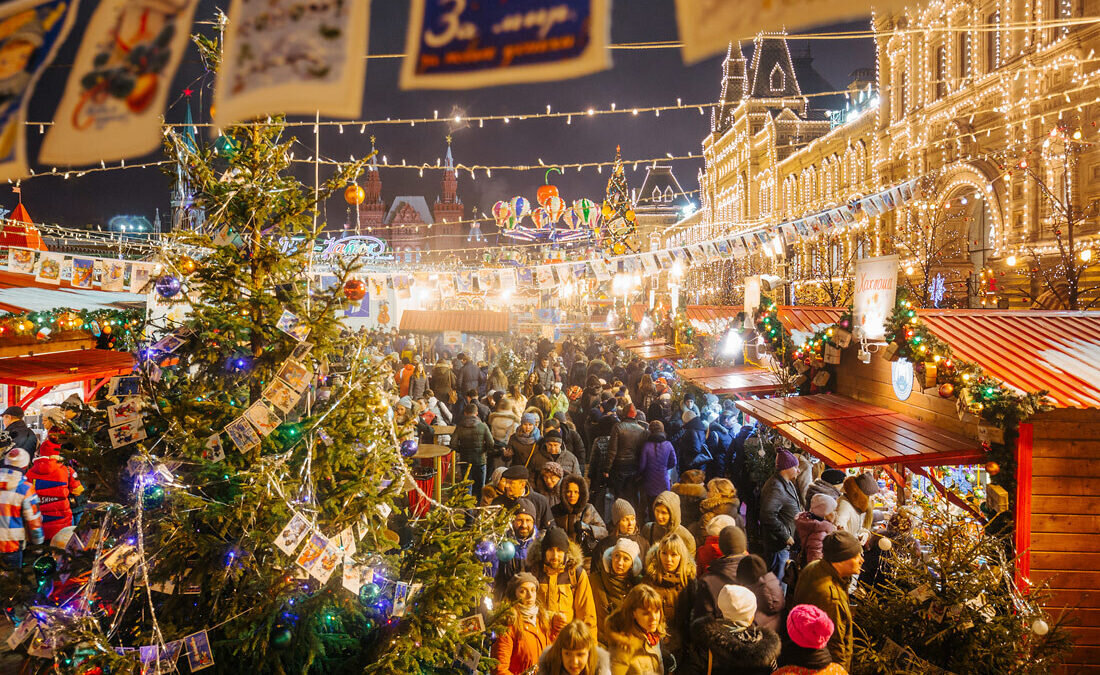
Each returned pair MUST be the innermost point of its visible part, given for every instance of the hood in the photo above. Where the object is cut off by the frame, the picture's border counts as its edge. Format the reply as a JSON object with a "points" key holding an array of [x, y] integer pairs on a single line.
{"points": [[468, 421], [807, 523], [497, 414], [720, 491], [657, 438], [635, 571], [571, 479], [695, 490], [573, 557], [752, 646], [696, 424], [671, 501]]}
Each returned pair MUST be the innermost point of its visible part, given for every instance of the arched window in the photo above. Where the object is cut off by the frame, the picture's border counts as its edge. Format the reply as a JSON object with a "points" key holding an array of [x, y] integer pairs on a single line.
{"points": [[777, 78]]}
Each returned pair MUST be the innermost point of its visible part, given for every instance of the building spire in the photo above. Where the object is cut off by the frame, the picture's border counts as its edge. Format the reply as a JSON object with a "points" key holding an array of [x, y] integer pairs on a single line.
{"points": [[449, 163]]}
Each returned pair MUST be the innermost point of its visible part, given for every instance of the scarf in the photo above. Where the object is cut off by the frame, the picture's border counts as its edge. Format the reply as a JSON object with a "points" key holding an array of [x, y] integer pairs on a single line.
{"points": [[618, 587], [652, 639], [529, 614]]}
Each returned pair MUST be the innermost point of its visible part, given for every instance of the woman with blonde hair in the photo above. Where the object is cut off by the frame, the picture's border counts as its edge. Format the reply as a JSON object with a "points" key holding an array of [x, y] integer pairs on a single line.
{"points": [[575, 652], [634, 633], [529, 628], [670, 570]]}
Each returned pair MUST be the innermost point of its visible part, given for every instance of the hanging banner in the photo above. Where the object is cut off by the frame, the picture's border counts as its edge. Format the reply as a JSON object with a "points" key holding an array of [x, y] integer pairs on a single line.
{"points": [[707, 27], [30, 33], [113, 103], [876, 287], [282, 56], [457, 44]]}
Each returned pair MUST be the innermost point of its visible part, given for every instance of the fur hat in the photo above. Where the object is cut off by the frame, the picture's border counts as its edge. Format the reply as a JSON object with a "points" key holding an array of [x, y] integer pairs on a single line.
{"points": [[737, 604], [833, 476], [719, 523], [621, 509], [822, 505], [688, 415], [867, 484]]}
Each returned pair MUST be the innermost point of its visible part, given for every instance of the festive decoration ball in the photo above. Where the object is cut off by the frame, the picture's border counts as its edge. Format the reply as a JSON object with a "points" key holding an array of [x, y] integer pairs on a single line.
{"points": [[409, 447], [606, 210], [1040, 627], [225, 147], [629, 215], [369, 593], [167, 286], [355, 290], [281, 638], [506, 551], [885, 544], [354, 194], [546, 192], [947, 389], [992, 468], [152, 497], [44, 569], [187, 265], [485, 550]]}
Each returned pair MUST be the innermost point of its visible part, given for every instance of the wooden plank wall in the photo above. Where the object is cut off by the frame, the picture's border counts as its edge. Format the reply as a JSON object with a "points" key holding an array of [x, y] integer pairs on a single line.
{"points": [[870, 383], [1065, 522]]}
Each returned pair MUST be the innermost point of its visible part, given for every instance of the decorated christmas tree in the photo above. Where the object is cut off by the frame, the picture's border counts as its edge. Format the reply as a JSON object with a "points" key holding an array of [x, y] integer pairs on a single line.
{"points": [[945, 600], [619, 221], [248, 494]]}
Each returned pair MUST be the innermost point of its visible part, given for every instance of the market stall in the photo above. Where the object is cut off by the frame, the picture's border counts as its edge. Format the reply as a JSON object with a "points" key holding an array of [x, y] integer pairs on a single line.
{"points": [[736, 381], [43, 372], [456, 330], [717, 319]]}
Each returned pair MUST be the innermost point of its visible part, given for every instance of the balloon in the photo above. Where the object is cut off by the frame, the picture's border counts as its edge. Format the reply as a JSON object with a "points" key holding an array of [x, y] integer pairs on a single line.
{"points": [[586, 212], [167, 286], [546, 192], [355, 290], [354, 195], [501, 211], [520, 208], [554, 207], [506, 551], [485, 550], [571, 219], [540, 218]]}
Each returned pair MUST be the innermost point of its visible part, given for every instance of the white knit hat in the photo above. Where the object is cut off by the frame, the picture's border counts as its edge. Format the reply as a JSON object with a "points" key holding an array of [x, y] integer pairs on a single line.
{"points": [[719, 523], [822, 505], [627, 546], [737, 604], [17, 458]]}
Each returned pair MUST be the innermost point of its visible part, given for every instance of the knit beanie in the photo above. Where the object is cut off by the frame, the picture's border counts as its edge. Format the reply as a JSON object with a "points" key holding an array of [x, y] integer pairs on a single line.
{"points": [[750, 569], [785, 460], [522, 578], [17, 458], [833, 476], [628, 546], [552, 436], [555, 538], [621, 509], [867, 484], [737, 604], [529, 418], [688, 416], [840, 546], [524, 506], [406, 402], [554, 468], [809, 627], [732, 541], [719, 523], [822, 505]]}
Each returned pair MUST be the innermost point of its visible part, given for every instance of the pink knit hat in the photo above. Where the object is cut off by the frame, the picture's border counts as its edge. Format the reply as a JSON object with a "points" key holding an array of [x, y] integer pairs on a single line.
{"points": [[809, 627]]}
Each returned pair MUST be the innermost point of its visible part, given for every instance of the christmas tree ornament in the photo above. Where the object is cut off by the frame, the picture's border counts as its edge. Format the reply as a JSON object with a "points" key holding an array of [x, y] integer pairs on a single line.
{"points": [[947, 390], [992, 468], [369, 593], [355, 290], [1040, 627], [354, 195], [187, 265], [409, 447], [152, 496], [282, 638], [485, 550], [885, 544], [506, 551], [168, 286], [226, 147], [44, 569]]}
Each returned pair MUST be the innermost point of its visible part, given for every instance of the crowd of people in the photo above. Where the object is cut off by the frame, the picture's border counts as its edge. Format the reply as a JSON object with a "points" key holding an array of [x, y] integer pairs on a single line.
{"points": [[642, 537]]}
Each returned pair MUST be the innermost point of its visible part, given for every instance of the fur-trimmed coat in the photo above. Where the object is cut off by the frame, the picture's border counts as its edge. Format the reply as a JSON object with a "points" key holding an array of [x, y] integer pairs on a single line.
{"points": [[568, 593], [727, 648], [631, 654], [691, 491], [569, 518]]}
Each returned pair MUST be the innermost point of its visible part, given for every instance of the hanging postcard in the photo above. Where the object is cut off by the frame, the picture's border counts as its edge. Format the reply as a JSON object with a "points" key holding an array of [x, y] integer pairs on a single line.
{"points": [[21, 260], [49, 268], [113, 104], [456, 44], [281, 56], [30, 33], [141, 275], [83, 272]]}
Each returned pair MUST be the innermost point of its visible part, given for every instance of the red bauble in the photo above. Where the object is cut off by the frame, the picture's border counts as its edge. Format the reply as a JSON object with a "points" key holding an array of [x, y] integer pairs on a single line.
{"points": [[355, 290], [546, 192], [947, 389], [992, 468]]}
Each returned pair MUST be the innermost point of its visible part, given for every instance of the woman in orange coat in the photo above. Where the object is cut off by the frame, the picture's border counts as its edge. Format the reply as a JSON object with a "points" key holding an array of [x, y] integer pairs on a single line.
{"points": [[529, 632]]}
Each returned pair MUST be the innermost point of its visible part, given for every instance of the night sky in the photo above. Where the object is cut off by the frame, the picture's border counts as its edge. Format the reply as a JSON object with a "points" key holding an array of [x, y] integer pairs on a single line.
{"points": [[638, 78]]}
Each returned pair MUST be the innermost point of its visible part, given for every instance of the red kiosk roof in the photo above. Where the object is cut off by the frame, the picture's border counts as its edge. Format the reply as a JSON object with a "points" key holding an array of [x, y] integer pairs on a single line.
{"points": [[48, 370]]}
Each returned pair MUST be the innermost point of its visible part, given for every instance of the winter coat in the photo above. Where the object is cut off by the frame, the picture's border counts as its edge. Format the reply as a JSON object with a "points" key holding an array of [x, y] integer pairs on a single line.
{"points": [[568, 593], [403, 376], [603, 664], [721, 572], [497, 382], [418, 384], [770, 601], [692, 445], [443, 382], [677, 599], [468, 376], [18, 512], [820, 585], [631, 654], [541, 456], [54, 483], [656, 459], [504, 571], [520, 449], [660, 409], [541, 504], [552, 494], [627, 439], [518, 405], [779, 505], [519, 647], [691, 495], [653, 533], [545, 375], [609, 591], [724, 647], [472, 442], [573, 518], [811, 534], [578, 373], [848, 518], [707, 553], [719, 439], [821, 487], [601, 423], [559, 403], [23, 437], [502, 424], [600, 369], [573, 442]]}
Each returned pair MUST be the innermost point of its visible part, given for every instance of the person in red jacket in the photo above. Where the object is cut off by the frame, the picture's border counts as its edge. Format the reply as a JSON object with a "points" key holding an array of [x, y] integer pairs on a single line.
{"points": [[55, 483]]}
